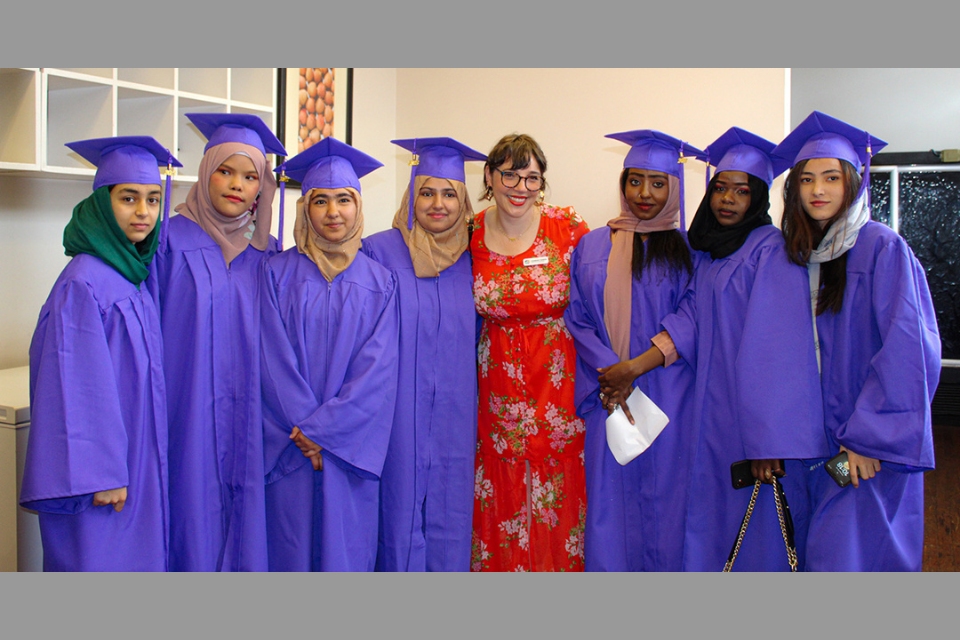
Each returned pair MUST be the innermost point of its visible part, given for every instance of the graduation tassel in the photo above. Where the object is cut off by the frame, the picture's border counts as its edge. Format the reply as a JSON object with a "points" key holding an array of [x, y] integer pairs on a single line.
{"points": [[283, 180], [683, 161], [707, 184], [168, 172], [414, 161]]}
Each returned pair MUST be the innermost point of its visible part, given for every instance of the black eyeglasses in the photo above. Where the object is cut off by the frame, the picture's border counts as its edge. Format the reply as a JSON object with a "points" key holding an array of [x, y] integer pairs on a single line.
{"points": [[510, 179]]}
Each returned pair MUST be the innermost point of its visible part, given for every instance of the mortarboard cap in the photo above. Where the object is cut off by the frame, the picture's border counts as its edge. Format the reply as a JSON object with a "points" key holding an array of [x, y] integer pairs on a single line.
{"points": [[437, 158], [823, 136], [125, 159], [329, 164], [655, 151], [237, 127], [739, 150]]}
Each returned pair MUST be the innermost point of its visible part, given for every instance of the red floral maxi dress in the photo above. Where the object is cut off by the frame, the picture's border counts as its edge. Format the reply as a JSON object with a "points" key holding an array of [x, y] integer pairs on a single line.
{"points": [[530, 495]]}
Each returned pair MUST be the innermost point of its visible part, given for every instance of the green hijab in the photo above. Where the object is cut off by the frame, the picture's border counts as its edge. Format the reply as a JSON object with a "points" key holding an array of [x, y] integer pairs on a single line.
{"points": [[93, 229]]}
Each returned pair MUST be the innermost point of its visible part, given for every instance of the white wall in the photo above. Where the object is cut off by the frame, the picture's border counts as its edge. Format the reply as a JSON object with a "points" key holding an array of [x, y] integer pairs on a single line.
{"points": [[911, 109], [375, 105]]}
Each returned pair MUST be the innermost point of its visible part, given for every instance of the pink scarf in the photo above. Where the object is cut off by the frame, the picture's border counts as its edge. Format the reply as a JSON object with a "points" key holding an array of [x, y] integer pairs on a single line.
{"points": [[618, 291], [231, 234]]}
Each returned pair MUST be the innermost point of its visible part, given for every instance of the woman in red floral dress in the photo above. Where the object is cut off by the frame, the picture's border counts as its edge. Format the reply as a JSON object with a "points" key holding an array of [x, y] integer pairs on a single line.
{"points": [[530, 488]]}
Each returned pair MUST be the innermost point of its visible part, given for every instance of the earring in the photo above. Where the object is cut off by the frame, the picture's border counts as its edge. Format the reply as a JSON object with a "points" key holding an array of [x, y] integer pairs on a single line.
{"points": [[540, 197], [488, 194]]}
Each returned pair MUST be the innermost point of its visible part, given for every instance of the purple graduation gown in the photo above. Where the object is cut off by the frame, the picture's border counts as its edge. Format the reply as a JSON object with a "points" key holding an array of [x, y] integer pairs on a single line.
{"points": [[426, 489], [98, 422], [636, 512], [329, 366], [747, 327], [881, 366], [210, 317]]}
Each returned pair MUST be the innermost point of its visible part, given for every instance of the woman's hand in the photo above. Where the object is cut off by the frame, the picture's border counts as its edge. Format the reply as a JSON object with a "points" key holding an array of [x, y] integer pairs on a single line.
{"points": [[116, 497], [765, 470], [616, 381], [308, 448], [618, 378], [861, 466], [616, 384]]}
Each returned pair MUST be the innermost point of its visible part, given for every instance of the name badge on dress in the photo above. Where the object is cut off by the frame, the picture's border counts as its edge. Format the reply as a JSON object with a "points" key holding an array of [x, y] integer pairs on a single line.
{"points": [[532, 262]]}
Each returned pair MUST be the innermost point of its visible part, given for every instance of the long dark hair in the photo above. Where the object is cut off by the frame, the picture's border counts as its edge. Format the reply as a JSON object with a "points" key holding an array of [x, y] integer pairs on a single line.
{"points": [[667, 248], [802, 234]]}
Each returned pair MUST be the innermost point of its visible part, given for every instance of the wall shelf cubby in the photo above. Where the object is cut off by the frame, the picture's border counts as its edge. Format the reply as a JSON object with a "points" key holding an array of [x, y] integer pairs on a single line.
{"points": [[41, 109]]}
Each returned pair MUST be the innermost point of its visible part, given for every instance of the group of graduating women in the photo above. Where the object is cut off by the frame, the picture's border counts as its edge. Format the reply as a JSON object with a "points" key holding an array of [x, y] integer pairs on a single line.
{"points": [[434, 397]]}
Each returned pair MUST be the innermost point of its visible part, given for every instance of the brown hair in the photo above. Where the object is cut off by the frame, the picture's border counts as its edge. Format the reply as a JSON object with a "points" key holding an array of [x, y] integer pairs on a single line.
{"points": [[518, 148], [802, 234]]}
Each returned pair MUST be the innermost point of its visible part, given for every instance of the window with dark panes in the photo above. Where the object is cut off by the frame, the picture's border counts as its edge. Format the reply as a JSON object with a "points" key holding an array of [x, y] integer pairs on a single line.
{"points": [[922, 203]]}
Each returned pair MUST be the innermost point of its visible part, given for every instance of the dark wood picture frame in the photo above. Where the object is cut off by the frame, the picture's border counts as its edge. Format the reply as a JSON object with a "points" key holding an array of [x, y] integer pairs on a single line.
{"points": [[295, 94]]}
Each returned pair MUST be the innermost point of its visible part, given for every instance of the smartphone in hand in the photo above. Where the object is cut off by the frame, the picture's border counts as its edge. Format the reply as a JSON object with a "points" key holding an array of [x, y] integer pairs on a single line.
{"points": [[740, 474], [839, 469]]}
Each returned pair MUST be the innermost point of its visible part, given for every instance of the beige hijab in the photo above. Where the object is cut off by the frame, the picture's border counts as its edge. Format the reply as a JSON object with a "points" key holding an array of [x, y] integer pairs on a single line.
{"points": [[431, 253], [332, 258], [232, 234], [618, 290]]}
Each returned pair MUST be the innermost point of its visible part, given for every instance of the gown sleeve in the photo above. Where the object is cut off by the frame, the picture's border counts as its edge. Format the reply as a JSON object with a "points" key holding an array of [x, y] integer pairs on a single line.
{"points": [[78, 441], [681, 325], [589, 337], [891, 420], [780, 408]]}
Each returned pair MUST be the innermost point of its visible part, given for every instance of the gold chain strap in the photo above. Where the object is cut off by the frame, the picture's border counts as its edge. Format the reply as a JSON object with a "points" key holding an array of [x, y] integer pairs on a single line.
{"points": [[791, 552], [743, 527]]}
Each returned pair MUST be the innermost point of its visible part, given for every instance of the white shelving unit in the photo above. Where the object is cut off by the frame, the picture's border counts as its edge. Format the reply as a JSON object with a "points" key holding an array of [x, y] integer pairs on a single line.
{"points": [[20, 111], [43, 108]]}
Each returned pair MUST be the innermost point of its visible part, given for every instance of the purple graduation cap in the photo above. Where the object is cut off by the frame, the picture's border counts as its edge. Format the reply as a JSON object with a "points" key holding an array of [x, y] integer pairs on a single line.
{"points": [[247, 128], [437, 158], [329, 164], [657, 151], [129, 159], [740, 150], [823, 136], [125, 159]]}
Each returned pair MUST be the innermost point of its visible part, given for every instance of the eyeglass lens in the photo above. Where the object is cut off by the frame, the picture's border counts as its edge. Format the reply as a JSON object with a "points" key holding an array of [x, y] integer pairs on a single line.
{"points": [[511, 179]]}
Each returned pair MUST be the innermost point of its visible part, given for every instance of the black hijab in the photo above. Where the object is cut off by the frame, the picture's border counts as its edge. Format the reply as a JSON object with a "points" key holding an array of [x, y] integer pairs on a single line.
{"points": [[706, 234]]}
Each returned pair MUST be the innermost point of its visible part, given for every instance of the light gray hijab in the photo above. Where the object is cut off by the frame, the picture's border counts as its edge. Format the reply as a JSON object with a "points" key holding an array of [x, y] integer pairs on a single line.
{"points": [[842, 235]]}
